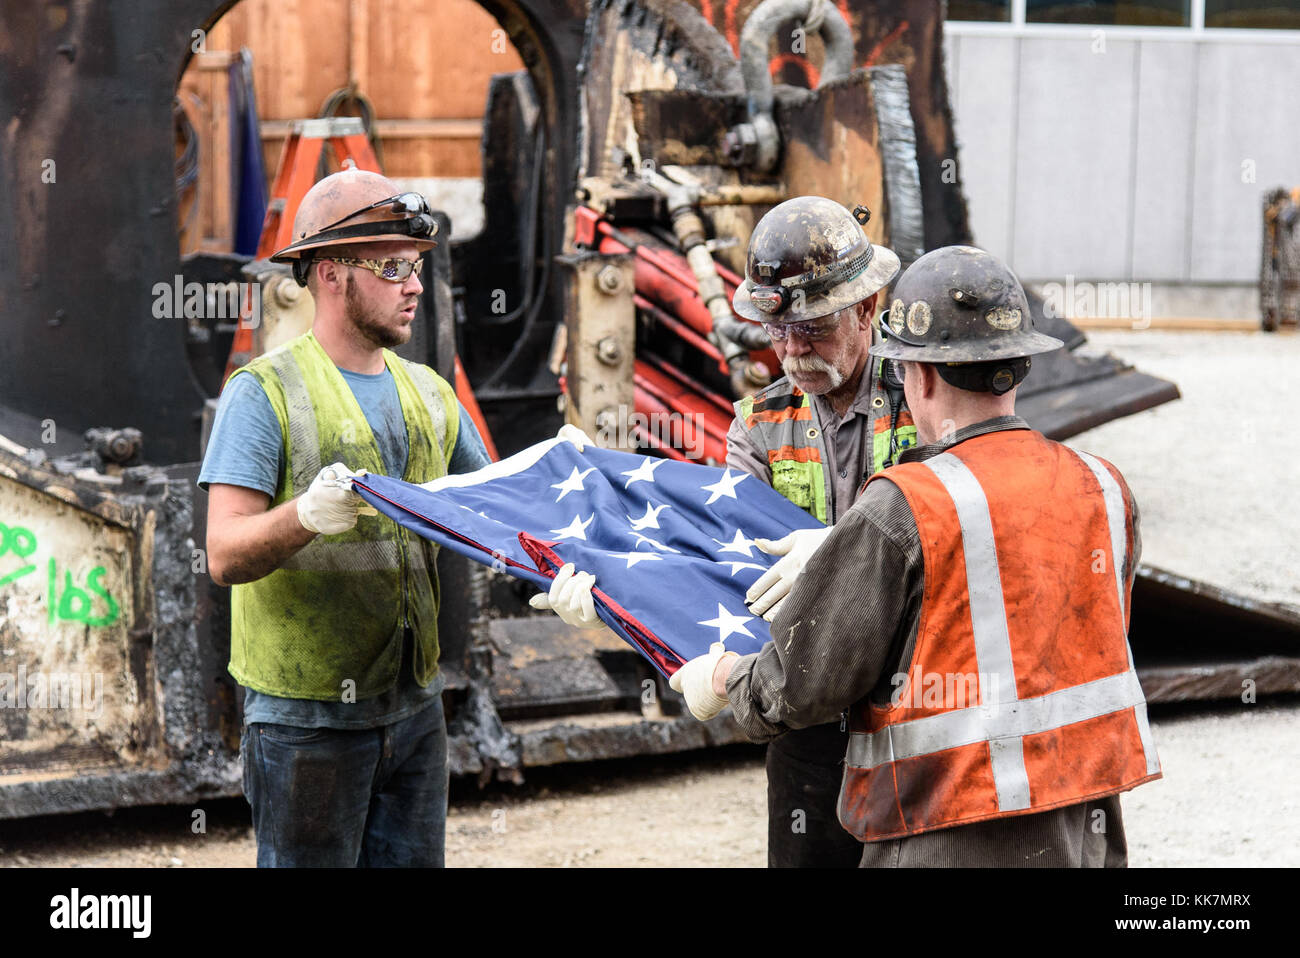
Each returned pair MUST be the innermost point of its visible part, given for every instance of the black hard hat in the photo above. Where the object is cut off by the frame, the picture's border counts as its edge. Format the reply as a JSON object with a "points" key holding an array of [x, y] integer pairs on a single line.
{"points": [[959, 304], [809, 257]]}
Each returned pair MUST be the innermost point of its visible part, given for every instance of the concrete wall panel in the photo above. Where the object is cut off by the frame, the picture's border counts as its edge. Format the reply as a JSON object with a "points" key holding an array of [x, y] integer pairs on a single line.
{"points": [[982, 73], [1162, 210], [1074, 161]]}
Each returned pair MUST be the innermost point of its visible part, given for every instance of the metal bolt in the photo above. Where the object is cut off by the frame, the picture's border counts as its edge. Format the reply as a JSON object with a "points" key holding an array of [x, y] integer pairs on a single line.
{"points": [[740, 145], [757, 374], [287, 292], [607, 351], [609, 280]]}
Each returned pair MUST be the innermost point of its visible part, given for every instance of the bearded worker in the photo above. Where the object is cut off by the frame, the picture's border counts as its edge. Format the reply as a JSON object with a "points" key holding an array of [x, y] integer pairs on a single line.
{"points": [[334, 609], [813, 279]]}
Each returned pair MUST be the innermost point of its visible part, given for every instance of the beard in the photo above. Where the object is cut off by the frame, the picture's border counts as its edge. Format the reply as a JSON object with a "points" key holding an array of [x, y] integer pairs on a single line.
{"points": [[367, 320], [798, 367]]}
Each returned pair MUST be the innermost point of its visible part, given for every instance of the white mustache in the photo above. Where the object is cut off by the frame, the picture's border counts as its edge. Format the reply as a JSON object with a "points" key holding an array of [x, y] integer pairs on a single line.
{"points": [[812, 363], [808, 364]]}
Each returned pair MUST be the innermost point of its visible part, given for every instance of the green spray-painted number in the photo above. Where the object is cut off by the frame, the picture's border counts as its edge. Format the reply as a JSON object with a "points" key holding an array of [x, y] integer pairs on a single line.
{"points": [[21, 543], [74, 604]]}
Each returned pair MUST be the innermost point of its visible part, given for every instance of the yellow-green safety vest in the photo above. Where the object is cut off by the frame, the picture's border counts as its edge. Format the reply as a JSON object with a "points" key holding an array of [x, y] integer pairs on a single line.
{"points": [[783, 423], [329, 621]]}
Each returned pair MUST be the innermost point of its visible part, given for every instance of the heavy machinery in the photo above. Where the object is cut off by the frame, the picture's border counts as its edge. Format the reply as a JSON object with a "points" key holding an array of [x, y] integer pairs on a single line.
{"points": [[622, 172]]}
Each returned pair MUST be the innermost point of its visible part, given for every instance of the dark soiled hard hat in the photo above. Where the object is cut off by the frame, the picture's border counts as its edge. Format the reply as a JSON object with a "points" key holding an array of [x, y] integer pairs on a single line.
{"points": [[809, 257], [959, 304]]}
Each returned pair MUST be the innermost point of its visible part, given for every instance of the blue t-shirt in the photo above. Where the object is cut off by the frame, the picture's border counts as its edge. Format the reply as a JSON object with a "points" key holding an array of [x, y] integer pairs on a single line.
{"points": [[245, 449]]}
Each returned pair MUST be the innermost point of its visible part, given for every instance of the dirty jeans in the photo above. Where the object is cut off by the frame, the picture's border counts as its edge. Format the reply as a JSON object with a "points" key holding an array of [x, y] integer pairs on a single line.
{"points": [[325, 797]]}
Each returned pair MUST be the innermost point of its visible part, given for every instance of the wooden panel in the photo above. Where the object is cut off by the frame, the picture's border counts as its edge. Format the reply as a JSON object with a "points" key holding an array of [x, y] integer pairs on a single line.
{"points": [[429, 62], [449, 51], [432, 60], [432, 158], [203, 94]]}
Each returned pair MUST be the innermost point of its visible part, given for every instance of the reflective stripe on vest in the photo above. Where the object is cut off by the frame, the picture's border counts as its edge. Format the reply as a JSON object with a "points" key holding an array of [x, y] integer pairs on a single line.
{"points": [[1115, 512], [953, 784], [782, 423]]}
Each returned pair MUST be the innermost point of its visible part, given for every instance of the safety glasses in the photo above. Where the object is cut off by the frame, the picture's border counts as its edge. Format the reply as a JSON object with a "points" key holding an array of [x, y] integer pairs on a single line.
{"points": [[408, 204], [393, 270], [811, 331]]}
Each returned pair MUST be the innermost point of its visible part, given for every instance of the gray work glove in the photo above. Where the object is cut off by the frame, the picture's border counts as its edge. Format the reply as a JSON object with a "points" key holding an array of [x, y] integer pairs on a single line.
{"points": [[571, 433]]}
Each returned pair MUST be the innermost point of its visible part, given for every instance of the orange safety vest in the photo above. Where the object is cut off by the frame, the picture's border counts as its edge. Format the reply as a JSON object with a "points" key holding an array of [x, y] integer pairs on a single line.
{"points": [[1022, 695]]}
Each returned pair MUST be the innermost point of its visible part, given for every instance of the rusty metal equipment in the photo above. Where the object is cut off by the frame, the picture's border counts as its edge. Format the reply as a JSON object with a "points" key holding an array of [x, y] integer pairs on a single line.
{"points": [[623, 172], [1279, 268]]}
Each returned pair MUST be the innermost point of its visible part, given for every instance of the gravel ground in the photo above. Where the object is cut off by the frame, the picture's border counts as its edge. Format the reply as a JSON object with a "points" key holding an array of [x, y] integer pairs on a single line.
{"points": [[1215, 473], [1229, 796]]}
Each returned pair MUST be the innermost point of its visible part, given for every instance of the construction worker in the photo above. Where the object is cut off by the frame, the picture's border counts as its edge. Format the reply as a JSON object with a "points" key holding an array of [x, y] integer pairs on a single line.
{"points": [[813, 279], [334, 608], [969, 612]]}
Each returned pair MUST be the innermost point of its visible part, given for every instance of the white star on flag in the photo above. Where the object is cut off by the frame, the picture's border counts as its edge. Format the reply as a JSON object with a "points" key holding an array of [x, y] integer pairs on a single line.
{"points": [[573, 483], [634, 557], [644, 472], [726, 486], [651, 518], [737, 566], [726, 623], [577, 529], [654, 542], [739, 545]]}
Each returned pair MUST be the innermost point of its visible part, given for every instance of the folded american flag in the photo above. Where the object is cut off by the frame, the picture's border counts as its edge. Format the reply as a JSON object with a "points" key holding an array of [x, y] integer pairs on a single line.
{"points": [[671, 544]]}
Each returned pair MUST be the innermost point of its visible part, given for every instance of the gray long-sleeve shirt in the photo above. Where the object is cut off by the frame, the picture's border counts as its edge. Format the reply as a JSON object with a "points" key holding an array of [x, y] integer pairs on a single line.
{"points": [[846, 629]]}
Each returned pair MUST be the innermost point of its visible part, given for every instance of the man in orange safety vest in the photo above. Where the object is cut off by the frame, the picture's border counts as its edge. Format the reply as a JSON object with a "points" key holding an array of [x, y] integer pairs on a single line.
{"points": [[969, 613]]}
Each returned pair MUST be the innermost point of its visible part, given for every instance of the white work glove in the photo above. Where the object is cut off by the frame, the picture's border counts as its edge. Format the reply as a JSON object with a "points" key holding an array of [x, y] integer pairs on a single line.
{"points": [[695, 681], [329, 506], [570, 597], [571, 433], [766, 595]]}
